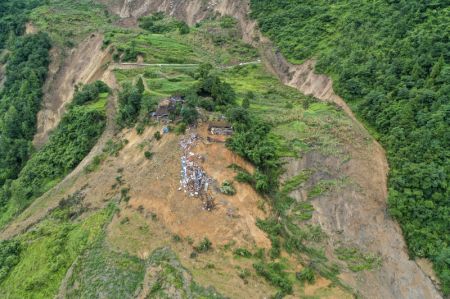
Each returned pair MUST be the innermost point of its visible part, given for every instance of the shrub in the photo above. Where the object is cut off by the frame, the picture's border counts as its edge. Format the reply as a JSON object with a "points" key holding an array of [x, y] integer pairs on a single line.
{"points": [[176, 238], [181, 128], [9, 256], [148, 155], [246, 103], [184, 28], [189, 115], [275, 275], [204, 246], [157, 135], [227, 188], [307, 274], [242, 252]]}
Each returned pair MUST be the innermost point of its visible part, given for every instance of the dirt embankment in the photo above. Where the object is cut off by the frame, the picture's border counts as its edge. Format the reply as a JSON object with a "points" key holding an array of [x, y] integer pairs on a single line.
{"points": [[82, 64], [351, 217]]}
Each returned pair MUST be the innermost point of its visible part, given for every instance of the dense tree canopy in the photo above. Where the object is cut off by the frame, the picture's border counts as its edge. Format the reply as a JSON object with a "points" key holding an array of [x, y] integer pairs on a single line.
{"points": [[13, 16], [74, 137], [20, 101], [390, 59]]}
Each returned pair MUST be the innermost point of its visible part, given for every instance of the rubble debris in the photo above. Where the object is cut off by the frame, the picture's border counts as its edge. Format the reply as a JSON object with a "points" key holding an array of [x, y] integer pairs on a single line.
{"points": [[194, 180], [167, 106], [221, 127], [215, 140]]}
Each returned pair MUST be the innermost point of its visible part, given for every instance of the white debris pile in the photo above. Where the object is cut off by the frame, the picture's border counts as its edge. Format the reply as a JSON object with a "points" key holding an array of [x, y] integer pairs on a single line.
{"points": [[194, 180]]}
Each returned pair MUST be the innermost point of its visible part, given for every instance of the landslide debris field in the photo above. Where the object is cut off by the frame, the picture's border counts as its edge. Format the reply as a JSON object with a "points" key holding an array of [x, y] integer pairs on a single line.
{"points": [[291, 204]]}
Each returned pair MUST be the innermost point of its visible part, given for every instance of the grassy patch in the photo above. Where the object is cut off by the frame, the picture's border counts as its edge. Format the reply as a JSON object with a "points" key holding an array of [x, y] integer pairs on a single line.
{"points": [[48, 252], [102, 272], [326, 186], [162, 82], [70, 21], [154, 48], [294, 182], [276, 275], [169, 279], [357, 260]]}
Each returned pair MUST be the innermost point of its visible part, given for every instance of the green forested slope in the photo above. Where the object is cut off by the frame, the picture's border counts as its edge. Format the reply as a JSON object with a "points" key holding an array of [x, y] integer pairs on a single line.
{"points": [[20, 101], [390, 59], [74, 137], [26, 61], [13, 15]]}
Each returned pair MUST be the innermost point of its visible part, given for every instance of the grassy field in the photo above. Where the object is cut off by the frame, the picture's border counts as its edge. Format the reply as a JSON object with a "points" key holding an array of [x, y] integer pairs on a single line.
{"points": [[154, 48], [49, 251], [103, 272], [69, 22], [161, 82], [300, 123]]}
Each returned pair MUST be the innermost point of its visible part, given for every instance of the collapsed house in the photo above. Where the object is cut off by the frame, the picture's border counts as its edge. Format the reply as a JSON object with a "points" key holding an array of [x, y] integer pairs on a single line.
{"points": [[167, 106], [220, 127]]}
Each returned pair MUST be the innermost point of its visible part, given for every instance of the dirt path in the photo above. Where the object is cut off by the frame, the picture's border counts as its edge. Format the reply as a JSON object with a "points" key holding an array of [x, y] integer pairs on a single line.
{"points": [[133, 65]]}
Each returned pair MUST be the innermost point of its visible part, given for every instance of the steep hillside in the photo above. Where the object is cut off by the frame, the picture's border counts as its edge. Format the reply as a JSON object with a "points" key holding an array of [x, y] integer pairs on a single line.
{"points": [[390, 60], [131, 192], [302, 77]]}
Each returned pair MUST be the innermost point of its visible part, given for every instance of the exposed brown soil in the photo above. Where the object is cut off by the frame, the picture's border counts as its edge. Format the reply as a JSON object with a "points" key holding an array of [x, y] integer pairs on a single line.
{"points": [[154, 185], [30, 28], [81, 65], [158, 190]]}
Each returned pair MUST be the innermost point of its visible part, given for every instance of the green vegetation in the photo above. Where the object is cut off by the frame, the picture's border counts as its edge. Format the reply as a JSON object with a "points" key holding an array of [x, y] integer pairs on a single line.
{"points": [[13, 17], [227, 188], [89, 93], [276, 275], [154, 48], [112, 148], [101, 271], [158, 23], [49, 250], [76, 134], [20, 101], [170, 279], [204, 246], [70, 21], [307, 274], [148, 155], [391, 60], [130, 100], [219, 41], [293, 126], [356, 260], [9, 257], [162, 81], [242, 252]]}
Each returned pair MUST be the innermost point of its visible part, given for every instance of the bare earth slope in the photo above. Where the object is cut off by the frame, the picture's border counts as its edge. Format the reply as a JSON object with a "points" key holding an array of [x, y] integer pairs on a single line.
{"points": [[80, 66], [355, 218]]}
